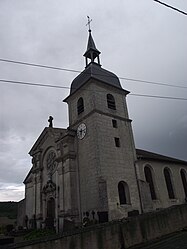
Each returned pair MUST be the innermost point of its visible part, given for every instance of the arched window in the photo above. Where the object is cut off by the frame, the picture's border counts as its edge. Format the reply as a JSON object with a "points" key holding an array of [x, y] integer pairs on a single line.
{"points": [[169, 185], [80, 105], [111, 102], [123, 191], [149, 179], [184, 181]]}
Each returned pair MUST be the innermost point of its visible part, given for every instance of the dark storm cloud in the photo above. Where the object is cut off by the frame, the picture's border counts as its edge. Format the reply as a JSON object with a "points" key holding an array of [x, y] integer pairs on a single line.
{"points": [[162, 130], [138, 39]]}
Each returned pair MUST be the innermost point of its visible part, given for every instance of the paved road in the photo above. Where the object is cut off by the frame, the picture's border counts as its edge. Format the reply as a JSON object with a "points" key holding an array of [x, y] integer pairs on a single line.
{"points": [[176, 241]]}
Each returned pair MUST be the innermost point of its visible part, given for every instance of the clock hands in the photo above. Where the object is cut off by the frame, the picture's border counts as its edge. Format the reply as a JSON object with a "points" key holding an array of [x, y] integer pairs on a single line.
{"points": [[81, 131]]}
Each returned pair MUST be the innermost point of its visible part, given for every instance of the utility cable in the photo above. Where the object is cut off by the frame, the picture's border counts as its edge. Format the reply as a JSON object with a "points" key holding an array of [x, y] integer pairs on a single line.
{"points": [[39, 65], [171, 7], [32, 84], [65, 87], [156, 96], [77, 71]]}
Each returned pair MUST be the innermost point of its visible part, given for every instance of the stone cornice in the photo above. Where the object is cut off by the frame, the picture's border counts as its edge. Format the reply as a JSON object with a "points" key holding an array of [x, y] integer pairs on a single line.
{"points": [[102, 113], [70, 155]]}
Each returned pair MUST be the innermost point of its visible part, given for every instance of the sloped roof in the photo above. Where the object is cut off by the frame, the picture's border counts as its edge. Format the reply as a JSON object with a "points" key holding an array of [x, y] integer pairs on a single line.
{"points": [[95, 71], [143, 154]]}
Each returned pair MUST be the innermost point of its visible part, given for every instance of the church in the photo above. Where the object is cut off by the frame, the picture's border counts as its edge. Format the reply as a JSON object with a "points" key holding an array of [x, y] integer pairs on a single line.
{"points": [[91, 170]]}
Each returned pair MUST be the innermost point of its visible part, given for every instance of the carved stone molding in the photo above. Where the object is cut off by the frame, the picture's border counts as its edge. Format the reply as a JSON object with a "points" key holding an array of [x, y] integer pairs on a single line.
{"points": [[49, 187]]}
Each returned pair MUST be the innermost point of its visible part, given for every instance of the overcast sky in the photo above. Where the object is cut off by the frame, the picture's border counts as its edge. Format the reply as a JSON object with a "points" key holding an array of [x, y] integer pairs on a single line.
{"points": [[138, 39]]}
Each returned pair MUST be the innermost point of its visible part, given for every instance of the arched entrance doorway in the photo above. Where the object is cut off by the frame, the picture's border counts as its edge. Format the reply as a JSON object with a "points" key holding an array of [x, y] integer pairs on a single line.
{"points": [[50, 213]]}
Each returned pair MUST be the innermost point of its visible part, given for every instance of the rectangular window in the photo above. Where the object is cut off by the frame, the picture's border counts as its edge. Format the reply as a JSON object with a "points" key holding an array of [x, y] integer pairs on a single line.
{"points": [[117, 142], [114, 123]]}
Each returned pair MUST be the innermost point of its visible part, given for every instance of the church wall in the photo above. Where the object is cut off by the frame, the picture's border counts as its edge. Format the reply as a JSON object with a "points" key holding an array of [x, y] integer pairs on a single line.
{"points": [[97, 155], [163, 200], [94, 96], [86, 94], [117, 163], [61, 187], [101, 91], [38, 197], [68, 185], [88, 169]]}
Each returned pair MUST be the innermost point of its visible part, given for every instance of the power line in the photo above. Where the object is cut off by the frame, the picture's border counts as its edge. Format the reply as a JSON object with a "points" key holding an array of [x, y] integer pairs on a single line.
{"points": [[153, 82], [33, 84], [156, 96], [171, 7], [77, 71], [65, 87], [39, 65]]}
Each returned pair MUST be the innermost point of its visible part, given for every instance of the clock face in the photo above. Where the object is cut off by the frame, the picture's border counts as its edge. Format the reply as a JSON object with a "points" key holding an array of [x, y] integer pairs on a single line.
{"points": [[81, 131]]}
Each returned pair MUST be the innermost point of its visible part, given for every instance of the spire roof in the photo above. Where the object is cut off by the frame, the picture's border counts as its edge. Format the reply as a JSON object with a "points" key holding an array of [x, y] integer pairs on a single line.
{"points": [[93, 69], [91, 43], [92, 52]]}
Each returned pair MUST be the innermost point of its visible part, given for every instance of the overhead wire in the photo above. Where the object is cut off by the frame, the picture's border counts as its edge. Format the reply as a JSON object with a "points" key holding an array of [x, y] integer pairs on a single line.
{"points": [[33, 84], [78, 71], [171, 7], [39, 65], [65, 87], [157, 96]]}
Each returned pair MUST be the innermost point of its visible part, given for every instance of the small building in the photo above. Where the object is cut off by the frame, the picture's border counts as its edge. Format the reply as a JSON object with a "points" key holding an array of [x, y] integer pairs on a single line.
{"points": [[21, 216]]}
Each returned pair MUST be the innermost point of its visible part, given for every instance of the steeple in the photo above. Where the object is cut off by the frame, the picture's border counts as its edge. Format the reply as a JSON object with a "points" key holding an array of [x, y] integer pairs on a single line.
{"points": [[93, 69], [92, 52]]}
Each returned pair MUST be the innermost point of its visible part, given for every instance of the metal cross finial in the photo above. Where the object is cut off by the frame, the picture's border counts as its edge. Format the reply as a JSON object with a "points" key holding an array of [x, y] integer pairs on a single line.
{"points": [[50, 120], [88, 24]]}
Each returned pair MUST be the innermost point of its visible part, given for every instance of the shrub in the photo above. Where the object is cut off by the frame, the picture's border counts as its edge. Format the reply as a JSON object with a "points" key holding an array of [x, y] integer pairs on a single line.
{"points": [[40, 233]]}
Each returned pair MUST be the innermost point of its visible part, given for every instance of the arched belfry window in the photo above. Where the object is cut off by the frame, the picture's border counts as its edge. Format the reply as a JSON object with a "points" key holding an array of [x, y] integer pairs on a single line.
{"points": [[123, 191], [169, 185], [80, 105], [184, 181], [149, 178], [111, 102]]}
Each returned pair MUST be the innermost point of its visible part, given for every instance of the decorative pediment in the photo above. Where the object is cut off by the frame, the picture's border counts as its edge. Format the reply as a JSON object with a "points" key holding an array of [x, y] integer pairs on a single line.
{"points": [[49, 187], [46, 133]]}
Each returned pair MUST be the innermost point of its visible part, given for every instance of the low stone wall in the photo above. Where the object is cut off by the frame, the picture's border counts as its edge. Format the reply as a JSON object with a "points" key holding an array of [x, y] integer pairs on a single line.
{"points": [[154, 225], [118, 234]]}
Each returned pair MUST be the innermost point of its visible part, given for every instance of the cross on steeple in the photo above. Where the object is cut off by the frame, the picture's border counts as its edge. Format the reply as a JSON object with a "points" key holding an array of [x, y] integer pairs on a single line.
{"points": [[88, 24]]}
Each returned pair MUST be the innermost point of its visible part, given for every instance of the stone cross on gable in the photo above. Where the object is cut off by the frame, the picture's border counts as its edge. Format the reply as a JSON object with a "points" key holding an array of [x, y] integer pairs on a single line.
{"points": [[50, 120]]}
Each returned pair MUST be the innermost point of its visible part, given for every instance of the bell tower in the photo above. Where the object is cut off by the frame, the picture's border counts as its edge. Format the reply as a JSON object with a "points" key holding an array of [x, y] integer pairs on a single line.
{"points": [[105, 151]]}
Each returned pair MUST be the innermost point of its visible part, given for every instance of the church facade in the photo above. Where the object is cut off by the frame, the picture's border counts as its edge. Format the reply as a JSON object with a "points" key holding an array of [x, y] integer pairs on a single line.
{"points": [[92, 170]]}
